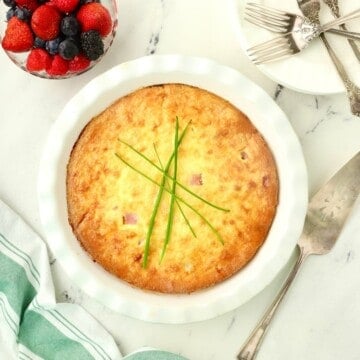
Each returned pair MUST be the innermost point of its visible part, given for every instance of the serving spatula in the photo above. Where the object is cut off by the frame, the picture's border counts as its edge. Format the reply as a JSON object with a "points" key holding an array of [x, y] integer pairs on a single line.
{"points": [[326, 215]]}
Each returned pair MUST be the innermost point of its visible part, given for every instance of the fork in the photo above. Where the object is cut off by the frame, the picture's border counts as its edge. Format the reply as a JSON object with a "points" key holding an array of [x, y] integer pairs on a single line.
{"points": [[299, 35], [279, 21], [276, 49], [334, 7]]}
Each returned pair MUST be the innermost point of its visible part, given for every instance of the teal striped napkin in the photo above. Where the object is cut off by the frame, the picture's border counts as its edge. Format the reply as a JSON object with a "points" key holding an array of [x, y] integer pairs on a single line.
{"points": [[32, 325], [153, 354]]}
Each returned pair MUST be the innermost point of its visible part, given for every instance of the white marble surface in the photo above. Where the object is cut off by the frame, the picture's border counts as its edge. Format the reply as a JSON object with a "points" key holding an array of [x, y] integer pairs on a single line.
{"points": [[320, 319]]}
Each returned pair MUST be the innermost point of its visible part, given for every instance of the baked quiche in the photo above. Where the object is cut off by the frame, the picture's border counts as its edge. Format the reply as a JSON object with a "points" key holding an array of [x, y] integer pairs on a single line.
{"points": [[171, 189]]}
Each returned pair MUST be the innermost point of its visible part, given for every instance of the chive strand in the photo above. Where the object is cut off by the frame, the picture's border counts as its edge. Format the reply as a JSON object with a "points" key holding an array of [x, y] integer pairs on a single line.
{"points": [[158, 157], [151, 225], [157, 204], [179, 198], [171, 178], [176, 200], [173, 191]]}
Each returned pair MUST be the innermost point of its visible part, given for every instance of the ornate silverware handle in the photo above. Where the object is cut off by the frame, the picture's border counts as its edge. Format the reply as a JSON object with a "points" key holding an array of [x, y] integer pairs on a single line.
{"points": [[342, 19], [251, 346], [334, 7], [352, 90], [347, 34]]}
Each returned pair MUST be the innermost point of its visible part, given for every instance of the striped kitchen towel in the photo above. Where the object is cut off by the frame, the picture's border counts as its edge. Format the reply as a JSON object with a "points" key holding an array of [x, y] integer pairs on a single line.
{"points": [[32, 325]]}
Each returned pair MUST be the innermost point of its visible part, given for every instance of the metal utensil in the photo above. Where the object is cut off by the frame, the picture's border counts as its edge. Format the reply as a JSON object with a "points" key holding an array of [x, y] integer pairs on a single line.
{"points": [[301, 31], [334, 7], [350, 35], [280, 47], [311, 9], [326, 215], [279, 21], [285, 45]]}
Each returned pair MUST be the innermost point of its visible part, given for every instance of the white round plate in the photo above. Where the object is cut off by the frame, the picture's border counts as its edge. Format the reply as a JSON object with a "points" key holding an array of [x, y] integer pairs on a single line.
{"points": [[310, 71], [265, 115]]}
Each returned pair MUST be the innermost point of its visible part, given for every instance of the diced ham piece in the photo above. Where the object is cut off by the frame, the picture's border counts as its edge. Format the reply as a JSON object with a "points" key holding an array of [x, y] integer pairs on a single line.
{"points": [[130, 219], [244, 155], [266, 181], [196, 179]]}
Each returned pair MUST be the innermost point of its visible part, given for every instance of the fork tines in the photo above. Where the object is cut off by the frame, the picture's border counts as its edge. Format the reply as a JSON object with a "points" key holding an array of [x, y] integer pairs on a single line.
{"points": [[274, 49], [268, 18]]}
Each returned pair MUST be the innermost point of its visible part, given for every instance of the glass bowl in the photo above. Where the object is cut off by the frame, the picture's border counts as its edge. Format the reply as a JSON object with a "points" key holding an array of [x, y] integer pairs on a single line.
{"points": [[21, 58]]}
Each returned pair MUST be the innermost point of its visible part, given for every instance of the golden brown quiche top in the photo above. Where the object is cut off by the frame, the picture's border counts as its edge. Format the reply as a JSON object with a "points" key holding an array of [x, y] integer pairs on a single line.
{"points": [[222, 158]]}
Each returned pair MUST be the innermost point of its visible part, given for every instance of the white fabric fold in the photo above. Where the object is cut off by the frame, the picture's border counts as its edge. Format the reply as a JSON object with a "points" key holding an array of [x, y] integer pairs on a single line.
{"points": [[32, 325]]}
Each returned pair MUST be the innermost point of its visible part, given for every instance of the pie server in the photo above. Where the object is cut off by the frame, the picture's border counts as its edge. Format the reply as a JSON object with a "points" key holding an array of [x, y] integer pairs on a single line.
{"points": [[327, 212]]}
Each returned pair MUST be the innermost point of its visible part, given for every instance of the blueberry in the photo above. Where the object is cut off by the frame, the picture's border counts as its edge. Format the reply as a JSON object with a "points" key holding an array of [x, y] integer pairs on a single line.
{"points": [[10, 13], [9, 3], [68, 49], [52, 46], [76, 40], [39, 43], [69, 26], [22, 13]]}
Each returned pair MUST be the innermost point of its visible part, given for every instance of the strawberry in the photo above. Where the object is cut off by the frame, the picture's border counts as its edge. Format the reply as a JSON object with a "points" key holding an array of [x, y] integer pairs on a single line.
{"points": [[79, 63], [94, 16], [45, 22], [28, 4], [38, 60], [18, 36], [58, 66], [66, 6]]}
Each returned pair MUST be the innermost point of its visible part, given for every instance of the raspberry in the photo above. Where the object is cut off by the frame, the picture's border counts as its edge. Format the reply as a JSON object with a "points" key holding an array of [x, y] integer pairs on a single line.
{"points": [[28, 4], [94, 16], [66, 6], [58, 66], [18, 36], [45, 22], [38, 60], [79, 63]]}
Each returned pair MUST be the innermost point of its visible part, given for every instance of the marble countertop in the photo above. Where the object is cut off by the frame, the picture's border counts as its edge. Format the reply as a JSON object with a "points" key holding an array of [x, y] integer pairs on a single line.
{"points": [[320, 318]]}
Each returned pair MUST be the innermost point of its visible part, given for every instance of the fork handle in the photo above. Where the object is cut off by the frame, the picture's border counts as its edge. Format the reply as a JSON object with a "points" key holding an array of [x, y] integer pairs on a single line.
{"points": [[342, 19], [252, 344], [348, 34], [352, 90]]}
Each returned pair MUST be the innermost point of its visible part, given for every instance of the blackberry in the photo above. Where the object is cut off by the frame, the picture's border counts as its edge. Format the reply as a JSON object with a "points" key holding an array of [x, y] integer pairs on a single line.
{"points": [[22, 13], [10, 13], [91, 44], [52, 46], [39, 43], [69, 26], [68, 49], [9, 3]]}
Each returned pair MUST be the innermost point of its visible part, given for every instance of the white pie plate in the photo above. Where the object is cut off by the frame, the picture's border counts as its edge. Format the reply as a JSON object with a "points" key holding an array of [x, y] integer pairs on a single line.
{"points": [[265, 115]]}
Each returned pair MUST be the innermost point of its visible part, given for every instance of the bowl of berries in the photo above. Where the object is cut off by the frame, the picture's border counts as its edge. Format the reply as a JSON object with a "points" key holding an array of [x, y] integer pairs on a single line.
{"points": [[57, 39]]}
